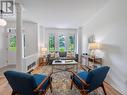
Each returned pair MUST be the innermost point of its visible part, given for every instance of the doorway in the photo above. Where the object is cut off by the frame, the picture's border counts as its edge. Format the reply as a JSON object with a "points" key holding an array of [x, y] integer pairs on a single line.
{"points": [[11, 50]]}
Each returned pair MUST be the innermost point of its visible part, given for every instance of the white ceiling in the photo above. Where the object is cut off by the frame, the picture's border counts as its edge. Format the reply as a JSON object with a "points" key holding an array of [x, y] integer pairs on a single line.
{"points": [[61, 13]]}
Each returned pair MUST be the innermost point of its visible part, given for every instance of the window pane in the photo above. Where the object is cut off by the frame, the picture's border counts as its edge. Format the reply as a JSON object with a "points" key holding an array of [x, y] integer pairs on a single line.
{"points": [[71, 43], [12, 43], [62, 46], [51, 43]]}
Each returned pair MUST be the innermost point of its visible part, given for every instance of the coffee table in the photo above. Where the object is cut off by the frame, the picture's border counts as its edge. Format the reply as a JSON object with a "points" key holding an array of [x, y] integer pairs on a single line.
{"points": [[65, 64]]}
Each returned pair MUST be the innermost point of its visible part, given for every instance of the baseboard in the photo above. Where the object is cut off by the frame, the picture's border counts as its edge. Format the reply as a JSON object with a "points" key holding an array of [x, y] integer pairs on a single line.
{"points": [[119, 90], [8, 65], [116, 88], [3, 66]]}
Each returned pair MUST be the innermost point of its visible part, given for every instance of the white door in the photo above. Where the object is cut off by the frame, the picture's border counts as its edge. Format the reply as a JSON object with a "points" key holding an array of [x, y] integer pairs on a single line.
{"points": [[11, 47]]}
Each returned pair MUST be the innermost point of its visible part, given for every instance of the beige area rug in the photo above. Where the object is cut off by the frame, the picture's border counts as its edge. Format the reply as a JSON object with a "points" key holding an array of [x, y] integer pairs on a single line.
{"points": [[61, 82]]}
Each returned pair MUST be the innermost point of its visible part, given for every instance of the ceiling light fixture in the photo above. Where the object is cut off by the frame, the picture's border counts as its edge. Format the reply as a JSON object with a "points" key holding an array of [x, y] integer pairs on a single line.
{"points": [[3, 22]]}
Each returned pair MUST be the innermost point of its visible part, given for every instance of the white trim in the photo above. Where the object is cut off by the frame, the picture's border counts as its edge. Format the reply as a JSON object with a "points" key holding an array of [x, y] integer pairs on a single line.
{"points": [[3, 66], [118, 89], [28, 60]]}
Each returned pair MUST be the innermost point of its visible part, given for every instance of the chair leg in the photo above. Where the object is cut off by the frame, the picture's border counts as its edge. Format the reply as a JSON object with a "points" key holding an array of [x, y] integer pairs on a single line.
{"points": [[83, 93], [41, 93], [71, 84], [104, 89], [13, 93], [51, 87]]}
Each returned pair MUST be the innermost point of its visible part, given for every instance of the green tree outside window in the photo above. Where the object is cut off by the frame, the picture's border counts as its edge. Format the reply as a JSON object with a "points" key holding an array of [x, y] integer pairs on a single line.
{"points": [[62, 46], [51, 43], [12, 43], [71, 43]]}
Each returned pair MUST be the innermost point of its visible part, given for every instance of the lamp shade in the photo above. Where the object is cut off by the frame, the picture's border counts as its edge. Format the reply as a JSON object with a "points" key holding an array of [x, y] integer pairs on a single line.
{"points": [[43, 49], [2, 22], [94, 46]]}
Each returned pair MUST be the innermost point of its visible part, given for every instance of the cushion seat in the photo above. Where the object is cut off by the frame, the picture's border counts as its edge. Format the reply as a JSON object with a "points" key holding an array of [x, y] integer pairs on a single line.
{"points": [[83, 75], [39, 78]]}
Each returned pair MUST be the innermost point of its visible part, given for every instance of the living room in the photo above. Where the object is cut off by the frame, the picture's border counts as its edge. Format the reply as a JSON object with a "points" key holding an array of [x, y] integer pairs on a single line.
{"points": [[39, 33]]}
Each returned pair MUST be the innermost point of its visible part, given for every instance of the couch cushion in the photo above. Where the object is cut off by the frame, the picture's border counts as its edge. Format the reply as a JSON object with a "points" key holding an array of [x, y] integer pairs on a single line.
{"points": [[71, 55], [62, 54], [56, 54], [52, 54]]}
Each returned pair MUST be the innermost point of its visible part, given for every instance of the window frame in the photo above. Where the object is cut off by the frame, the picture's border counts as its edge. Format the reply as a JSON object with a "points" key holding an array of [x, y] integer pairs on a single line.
{"points": [[57, 32]]}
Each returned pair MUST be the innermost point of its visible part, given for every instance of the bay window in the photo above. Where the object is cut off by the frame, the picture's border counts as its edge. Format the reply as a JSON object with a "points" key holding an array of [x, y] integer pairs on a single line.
{"points": [[61, 40]]}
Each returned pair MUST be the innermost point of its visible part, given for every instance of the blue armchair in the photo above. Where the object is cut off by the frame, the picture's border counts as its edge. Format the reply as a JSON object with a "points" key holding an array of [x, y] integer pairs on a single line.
{"points": [[26, 84], [86, 82]]}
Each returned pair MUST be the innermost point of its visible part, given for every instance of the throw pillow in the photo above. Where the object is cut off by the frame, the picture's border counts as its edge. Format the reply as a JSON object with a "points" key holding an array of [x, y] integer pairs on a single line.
{"points": [[52, 54], [56, 54], [70, 55]]}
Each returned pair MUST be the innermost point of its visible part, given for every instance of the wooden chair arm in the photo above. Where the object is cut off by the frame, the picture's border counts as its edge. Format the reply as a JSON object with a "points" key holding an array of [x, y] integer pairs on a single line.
{"points": [[83, 81], [42, 83], [84, 67]]}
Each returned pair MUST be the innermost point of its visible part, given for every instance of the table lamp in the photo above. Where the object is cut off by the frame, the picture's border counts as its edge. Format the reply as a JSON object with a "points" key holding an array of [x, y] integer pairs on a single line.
{"points": [[93, 46], [43, 52]]}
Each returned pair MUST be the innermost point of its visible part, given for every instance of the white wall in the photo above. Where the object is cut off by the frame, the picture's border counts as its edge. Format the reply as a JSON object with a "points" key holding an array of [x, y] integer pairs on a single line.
{"points": [[42, 36], [31, 31], [110, 27], [2, 47]]}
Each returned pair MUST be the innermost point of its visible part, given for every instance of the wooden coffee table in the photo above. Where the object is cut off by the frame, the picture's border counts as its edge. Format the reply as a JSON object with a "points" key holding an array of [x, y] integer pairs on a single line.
{"points": [[64, 64]]}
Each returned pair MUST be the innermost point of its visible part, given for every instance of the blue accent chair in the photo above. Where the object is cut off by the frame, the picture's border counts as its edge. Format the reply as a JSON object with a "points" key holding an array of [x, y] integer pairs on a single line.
{"points": [[86, 82], [27, 84]]}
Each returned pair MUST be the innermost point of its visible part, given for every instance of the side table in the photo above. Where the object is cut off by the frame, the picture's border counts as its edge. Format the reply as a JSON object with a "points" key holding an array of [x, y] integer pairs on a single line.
{"points": [[94, 60], [42, 61]]}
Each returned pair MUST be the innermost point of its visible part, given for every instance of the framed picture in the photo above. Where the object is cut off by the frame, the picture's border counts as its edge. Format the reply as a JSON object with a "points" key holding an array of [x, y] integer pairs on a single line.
{"points": [[91, 38]]}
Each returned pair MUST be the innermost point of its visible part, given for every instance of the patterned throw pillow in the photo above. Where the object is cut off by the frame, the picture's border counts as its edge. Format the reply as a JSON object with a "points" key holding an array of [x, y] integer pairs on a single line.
{"points": [[70, 54], [56, 54], [52, 54]]}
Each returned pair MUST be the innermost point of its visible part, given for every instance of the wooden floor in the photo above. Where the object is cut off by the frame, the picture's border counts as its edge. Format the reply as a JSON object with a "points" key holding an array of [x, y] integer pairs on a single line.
{"points": [[5, 89], [110, 90]]}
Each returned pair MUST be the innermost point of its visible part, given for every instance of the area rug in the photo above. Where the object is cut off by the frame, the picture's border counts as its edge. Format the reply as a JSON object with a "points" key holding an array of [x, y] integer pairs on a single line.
{"points": [[61, 82]]}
